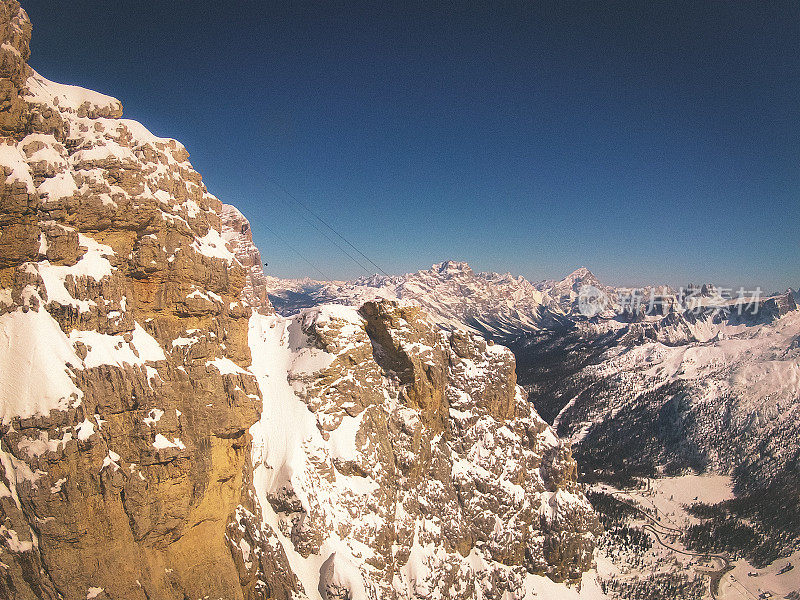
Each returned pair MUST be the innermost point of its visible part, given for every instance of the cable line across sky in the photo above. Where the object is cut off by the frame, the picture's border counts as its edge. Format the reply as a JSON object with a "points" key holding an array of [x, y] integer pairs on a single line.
{"points": [[307, 209], [297, 252]]}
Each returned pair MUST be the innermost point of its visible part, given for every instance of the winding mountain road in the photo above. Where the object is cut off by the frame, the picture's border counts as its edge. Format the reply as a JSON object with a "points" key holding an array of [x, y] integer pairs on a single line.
{"points": [[658, 529]]}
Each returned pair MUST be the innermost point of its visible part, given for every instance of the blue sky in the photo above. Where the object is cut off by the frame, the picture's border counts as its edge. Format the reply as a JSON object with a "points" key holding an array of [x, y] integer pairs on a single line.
{"points": [[650, 142]]}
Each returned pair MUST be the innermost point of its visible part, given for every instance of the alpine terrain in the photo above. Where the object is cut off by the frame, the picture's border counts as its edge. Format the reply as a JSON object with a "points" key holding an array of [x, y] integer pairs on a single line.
{"points": [[650, 383], [164, 434], [175, 423]]}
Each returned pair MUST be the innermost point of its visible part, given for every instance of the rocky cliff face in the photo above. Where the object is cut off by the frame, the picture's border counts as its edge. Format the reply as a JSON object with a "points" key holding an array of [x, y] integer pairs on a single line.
{"points": [[124, 409], [239, 239], [414, 467], [137, 349]]}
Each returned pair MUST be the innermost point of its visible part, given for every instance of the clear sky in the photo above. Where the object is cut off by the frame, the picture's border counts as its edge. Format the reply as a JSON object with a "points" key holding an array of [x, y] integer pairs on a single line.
{"points": [[648, 141]]}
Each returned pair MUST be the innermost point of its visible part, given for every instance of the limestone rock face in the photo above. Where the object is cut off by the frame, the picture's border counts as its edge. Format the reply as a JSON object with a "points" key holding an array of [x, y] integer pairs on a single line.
{"points": [[239, 237], [125, 399], [413, 466], [15, 31], [165, 435]]}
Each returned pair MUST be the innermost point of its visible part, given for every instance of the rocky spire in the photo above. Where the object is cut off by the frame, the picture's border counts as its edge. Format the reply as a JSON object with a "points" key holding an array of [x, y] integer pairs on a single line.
{"points": [[239, 238]]}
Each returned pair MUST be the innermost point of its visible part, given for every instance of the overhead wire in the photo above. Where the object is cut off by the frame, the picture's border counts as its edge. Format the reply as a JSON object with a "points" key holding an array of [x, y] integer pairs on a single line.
{"points": [[342, 250], [305, 206], [296, 251]]}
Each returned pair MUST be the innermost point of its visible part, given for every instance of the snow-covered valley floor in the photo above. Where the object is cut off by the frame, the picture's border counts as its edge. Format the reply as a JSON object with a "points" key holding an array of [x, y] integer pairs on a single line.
{"points": [[664, 516]]}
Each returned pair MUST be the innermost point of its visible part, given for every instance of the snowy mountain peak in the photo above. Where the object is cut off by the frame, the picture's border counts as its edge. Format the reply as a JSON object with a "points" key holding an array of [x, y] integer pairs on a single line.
{"points": [[581, 274], [565, 291], [452, 267], [705, 290]]}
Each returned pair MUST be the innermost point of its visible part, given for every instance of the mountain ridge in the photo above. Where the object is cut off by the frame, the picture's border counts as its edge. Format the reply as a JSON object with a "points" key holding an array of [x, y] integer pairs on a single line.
{"points": [[654, 384]]}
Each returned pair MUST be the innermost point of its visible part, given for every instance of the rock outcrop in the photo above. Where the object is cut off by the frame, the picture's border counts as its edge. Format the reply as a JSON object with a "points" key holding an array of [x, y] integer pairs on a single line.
{"points": [[164, 435], [413, 463], [239, 238], [126, 404]]}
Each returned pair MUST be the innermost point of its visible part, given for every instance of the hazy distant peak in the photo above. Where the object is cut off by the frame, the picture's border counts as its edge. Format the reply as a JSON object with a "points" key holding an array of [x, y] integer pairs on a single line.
{"points": [[581, 274], [452, 267]]}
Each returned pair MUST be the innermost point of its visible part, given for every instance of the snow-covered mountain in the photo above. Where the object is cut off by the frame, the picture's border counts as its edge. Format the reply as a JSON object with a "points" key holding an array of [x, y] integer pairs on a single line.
{"points": [[566, 291], [163, 434], [452, 293], [398, 460], [658, 382], [723, 399]]}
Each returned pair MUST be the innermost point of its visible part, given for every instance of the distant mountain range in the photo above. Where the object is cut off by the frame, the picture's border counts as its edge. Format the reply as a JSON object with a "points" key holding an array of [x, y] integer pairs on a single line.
{"points": [[693, 379]]}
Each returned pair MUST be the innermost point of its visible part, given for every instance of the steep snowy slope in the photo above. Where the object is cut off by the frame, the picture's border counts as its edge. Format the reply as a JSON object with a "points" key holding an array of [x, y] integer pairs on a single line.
{"points": [[738, 382]]}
